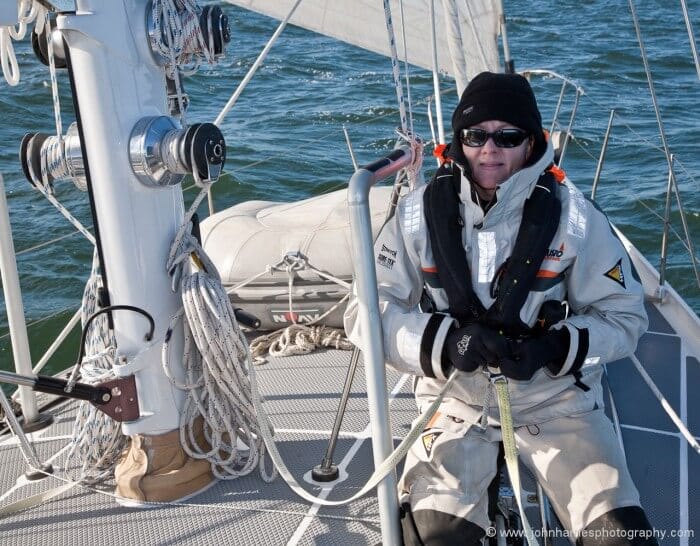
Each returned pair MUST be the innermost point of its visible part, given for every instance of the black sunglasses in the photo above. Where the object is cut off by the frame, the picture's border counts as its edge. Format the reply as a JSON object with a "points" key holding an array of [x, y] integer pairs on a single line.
{"points": [[503, 138]]}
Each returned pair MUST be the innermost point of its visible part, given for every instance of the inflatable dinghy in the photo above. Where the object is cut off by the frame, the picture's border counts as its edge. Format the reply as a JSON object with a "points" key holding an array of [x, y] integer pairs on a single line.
{"points": [[288, 263]]}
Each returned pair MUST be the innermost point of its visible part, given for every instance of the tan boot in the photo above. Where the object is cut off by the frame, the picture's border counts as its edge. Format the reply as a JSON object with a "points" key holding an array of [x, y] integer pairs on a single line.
{"points": [[157, 469]]}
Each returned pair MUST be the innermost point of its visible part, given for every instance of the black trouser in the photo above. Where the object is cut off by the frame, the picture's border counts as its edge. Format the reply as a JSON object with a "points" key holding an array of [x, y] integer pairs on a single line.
{"points": [[626, 526]]}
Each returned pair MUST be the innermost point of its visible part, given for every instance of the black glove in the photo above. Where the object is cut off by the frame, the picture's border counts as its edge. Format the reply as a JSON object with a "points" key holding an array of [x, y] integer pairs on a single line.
{"points": [[474, 345], [531, 354]]}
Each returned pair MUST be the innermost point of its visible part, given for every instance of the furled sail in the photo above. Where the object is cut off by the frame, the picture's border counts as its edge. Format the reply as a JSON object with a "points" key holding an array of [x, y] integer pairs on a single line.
{"points": [[474, 41]]}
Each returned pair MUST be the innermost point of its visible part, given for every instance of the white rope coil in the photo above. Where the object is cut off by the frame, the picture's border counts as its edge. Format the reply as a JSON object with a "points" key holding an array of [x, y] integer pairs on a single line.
{"points": [[177, 21], [28, 11], [53, 161], [298, 339], [216, 374], [97, 441]]}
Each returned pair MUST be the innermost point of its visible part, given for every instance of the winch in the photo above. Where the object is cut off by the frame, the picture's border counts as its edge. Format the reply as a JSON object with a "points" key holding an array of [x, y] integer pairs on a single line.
{"points": [[161, 153]]}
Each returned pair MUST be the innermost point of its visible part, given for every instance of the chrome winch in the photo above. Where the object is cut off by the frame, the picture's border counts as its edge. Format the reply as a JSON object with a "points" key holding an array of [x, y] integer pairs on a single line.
{"points": [[162, 154]]}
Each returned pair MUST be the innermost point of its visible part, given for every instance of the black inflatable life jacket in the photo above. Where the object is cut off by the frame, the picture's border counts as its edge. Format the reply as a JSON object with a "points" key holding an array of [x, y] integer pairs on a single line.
{"points": [[515, 277]]}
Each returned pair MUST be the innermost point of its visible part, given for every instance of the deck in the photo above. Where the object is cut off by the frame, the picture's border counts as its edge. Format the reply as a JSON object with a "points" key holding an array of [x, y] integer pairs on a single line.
{"points": [[301, 396]]}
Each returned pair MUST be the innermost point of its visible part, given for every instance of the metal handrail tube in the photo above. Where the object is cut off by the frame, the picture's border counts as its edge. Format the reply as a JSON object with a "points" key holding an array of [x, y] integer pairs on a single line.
{"points": [[371, 327], [574, 111], [15, 309], [664, 235], [327, 461], [558, 107], [60, 338], [686, 229], [603, 151]]}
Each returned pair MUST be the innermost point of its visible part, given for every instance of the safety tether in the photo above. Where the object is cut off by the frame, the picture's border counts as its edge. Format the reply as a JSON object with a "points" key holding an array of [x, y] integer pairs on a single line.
{"points": [[511, 451], [379, 474]]}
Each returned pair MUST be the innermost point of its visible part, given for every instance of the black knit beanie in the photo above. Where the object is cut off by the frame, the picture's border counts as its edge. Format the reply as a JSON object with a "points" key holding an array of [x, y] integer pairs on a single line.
{"points": [[502, 97]]}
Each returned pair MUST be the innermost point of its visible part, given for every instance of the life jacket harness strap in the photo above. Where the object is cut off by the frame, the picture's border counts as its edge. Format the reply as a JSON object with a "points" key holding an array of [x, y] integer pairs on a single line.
{"points": [[541, 215]]}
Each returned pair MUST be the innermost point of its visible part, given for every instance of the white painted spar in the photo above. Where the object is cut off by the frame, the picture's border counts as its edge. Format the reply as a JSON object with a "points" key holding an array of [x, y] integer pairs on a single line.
{"points": [[117, 82], [15, 309]]}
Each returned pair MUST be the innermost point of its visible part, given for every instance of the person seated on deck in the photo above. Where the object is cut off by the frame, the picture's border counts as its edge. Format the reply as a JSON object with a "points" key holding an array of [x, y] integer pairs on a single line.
{"points": [[473, 272]]}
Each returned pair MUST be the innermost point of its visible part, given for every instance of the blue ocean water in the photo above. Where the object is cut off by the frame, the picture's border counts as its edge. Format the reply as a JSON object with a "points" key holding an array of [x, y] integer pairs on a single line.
{"points": [[285, 138]]}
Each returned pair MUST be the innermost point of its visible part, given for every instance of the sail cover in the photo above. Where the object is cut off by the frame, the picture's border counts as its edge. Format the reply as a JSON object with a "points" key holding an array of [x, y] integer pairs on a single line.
{"points": [[362, 23]]}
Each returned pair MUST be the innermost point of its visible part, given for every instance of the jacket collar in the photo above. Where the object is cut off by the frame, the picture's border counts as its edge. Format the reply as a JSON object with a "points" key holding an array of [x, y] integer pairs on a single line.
{"points": [[512, 193]]}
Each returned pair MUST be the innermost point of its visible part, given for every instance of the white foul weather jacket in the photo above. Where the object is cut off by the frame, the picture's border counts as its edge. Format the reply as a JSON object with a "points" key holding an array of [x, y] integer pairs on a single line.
{"points": [[586, 265]]}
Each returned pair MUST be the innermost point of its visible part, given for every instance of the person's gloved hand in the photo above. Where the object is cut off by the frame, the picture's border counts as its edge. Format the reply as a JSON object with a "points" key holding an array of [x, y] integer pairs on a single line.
{"points": [[474, 345], [531, 354]]}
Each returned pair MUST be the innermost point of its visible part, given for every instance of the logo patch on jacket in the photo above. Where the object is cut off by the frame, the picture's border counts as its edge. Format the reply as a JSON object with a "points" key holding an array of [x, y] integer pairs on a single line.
{"points": [[386, 257], [616, 274], [389, 251], [555, 254], [386, 261], [429, 441]]}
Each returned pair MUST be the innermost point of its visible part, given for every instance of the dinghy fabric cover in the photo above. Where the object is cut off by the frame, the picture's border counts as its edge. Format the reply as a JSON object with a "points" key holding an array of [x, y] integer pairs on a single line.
{"points": [[247, 239], [244, 239]]}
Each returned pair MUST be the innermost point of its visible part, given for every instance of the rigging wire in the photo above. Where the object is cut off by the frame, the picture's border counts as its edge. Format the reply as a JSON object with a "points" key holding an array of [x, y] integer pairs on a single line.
{"points": [[691, 37], [406, 69], [253, 69], [662, 134], [395, 65]]}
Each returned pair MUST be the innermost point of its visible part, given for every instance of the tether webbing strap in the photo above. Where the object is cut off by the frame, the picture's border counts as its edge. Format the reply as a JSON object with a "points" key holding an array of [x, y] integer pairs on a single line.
{"points": [[511, 451], [35, 500], [379, 473]]}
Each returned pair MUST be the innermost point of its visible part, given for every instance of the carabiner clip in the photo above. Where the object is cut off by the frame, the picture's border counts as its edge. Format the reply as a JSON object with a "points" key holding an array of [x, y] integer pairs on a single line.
{"points": [[496, 377]]}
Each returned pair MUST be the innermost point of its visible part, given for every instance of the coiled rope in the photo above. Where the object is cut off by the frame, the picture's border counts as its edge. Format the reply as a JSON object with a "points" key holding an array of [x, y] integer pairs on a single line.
{"points": [[97, 441], [216, 374], [178, 22], [28, 11], [298, 338]]}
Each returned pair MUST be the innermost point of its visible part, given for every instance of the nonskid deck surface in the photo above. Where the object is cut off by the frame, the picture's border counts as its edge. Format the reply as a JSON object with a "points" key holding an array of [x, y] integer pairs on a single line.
{"points": [[301, 397], [664, 467]]}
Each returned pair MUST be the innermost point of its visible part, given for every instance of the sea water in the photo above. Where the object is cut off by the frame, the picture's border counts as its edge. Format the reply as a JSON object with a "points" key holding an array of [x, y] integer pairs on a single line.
{"points": [[285, 134]]}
